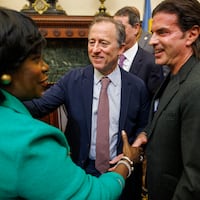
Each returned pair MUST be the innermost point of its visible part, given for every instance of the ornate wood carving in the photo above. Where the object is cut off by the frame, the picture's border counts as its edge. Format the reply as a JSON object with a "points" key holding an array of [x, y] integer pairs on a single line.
{"points": [[63, 26]]}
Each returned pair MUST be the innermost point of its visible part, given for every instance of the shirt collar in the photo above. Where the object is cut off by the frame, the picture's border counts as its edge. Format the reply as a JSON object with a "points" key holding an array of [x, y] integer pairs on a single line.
{"points": [[130, 53], [115, 76]]}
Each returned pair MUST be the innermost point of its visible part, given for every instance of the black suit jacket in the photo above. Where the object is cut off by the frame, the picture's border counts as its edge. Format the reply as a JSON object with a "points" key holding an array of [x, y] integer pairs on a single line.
{"points": [[144, 67], [173, 156]]}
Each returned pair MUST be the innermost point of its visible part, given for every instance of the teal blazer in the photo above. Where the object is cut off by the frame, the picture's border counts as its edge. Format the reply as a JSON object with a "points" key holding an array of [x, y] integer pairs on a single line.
{"points": [[35, 161]]}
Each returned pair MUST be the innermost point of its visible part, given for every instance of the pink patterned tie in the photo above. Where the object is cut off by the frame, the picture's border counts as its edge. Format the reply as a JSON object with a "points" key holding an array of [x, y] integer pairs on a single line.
{"points": [[122, 57], [102, 138]]}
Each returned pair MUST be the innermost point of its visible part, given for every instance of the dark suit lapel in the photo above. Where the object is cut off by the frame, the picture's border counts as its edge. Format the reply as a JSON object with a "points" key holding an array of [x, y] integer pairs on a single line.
{"points": [[136, 64], [169, 92], [125, 97], [87, 94], [158, 95]]}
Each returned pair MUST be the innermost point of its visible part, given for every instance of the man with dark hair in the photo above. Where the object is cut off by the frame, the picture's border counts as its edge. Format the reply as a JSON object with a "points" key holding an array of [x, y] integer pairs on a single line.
{"points": [[173, 167]]}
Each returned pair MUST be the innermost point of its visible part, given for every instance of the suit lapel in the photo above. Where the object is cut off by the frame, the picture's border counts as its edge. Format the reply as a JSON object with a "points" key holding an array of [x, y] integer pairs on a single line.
{"points": [[167, 95], [125, 97], [136, 64], [170, 90], [87, 94]]}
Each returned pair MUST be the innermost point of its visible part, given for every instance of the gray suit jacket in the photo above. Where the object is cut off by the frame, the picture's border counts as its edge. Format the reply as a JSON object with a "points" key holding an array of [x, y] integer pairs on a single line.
{"points": [[173, 156], [144, 41]]}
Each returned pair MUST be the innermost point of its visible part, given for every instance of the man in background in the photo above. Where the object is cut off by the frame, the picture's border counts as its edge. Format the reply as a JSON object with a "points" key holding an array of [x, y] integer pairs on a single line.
{"points": [[138, 61], [143, 37]]}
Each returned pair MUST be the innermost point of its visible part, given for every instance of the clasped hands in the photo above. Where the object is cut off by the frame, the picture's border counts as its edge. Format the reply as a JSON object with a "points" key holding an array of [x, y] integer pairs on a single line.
{"points": [[134, 152]]}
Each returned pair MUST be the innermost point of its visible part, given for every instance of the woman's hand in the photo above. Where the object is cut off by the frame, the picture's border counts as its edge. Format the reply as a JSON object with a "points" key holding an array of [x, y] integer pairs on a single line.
{"points": [[133, 153]]}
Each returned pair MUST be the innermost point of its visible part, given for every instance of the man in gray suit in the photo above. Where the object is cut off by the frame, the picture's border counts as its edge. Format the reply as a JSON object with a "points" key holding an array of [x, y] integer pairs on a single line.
{"points": [[143, 40], [173, 167]]}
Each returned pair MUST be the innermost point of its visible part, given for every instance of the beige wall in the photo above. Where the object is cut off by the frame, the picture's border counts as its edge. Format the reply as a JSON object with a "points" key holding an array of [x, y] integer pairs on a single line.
{"points": [[85, 7]]}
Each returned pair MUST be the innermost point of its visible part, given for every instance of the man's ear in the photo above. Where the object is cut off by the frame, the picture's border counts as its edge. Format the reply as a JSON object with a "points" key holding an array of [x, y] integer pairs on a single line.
{"points": [[122, 49], [137, 29], [193, 35]]}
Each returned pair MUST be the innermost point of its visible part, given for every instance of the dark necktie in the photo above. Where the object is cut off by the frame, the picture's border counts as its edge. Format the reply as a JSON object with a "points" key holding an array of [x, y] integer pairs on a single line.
{"points": [[102, 137], [122, 57]]}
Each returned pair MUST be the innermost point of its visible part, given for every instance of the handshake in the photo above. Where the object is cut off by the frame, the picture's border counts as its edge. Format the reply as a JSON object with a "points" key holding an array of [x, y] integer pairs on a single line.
{"points": [[131, 155]]}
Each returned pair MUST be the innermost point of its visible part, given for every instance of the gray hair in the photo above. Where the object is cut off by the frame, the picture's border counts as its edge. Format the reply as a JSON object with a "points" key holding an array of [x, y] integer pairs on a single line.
{"points": [[120, 29]]}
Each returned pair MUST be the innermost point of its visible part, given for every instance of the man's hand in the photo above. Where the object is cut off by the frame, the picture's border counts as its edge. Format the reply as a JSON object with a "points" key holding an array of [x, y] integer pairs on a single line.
{"points": [[114, 161], [140, 140]]}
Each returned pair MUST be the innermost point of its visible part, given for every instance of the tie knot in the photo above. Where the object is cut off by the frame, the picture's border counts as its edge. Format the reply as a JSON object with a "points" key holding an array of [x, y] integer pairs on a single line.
{"points": [[122, 57], [105, 82]]}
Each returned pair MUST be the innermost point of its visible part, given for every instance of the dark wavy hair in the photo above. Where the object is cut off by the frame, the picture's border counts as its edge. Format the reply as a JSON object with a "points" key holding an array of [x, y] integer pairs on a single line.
{"points": [[188, 13], [19, 38]]}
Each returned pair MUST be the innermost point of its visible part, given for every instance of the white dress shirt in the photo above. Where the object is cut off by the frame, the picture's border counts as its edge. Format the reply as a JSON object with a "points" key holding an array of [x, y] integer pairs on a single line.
{"points": [[130, 55]]}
